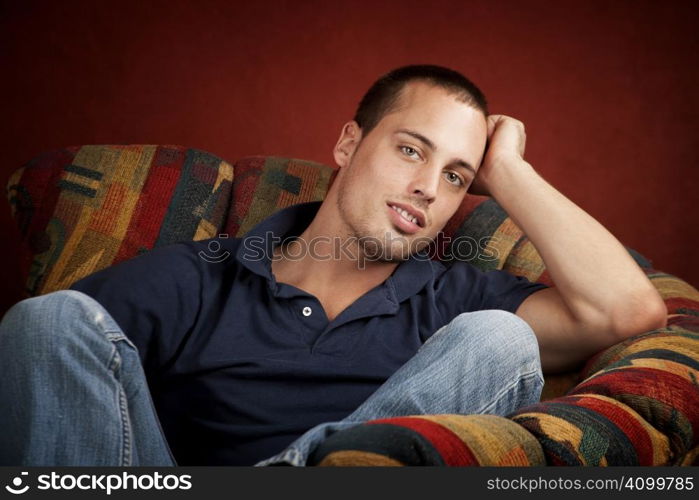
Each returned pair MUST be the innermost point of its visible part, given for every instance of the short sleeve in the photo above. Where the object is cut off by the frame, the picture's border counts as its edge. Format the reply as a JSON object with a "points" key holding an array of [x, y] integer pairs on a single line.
{"points": [[154, 298], [464, 288]]}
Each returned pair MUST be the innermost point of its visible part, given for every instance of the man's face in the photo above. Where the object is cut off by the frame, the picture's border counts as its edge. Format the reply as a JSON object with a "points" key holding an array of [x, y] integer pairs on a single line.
{"points": [[401, 183]]}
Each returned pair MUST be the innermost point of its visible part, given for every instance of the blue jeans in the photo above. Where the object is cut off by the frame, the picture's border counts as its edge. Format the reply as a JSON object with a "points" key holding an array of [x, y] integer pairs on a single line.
{"points": [[73, 391]]}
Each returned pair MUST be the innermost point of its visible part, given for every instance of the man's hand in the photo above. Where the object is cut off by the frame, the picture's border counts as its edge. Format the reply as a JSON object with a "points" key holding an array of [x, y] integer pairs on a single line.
{"points": [[506, 143]]}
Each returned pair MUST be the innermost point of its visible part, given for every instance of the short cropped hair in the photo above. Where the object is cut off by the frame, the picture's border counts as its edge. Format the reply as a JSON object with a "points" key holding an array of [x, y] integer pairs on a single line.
{"points": [[384, 95]]}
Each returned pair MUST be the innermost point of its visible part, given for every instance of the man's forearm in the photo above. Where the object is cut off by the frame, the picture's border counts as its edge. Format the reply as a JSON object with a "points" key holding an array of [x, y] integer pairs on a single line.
{"points": [[595, 275]]}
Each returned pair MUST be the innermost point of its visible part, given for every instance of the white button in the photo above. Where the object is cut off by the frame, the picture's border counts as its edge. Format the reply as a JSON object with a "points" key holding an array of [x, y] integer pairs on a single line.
{"points": [[306, 311]]}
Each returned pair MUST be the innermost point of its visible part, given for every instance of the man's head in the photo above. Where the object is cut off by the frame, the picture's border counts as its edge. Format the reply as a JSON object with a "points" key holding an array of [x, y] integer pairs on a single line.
{"points": [[384, 95], [407, 158]]}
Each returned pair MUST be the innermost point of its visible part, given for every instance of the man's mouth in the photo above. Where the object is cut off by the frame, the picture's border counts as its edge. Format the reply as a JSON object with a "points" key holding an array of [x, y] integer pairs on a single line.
{"points": [[409, 214]]}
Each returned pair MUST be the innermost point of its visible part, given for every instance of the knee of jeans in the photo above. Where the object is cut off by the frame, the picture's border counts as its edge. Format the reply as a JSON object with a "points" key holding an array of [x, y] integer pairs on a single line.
{"points": [[48, 317], [499, 334]]}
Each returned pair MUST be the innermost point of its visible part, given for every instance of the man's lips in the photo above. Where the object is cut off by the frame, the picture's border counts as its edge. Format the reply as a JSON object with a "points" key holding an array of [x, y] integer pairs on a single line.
{"points": [[407, 217]]}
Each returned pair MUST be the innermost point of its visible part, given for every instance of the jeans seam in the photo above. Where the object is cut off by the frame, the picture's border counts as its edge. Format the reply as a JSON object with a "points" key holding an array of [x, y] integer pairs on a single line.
{"points": [[507, 389], [127, 456], [126, 452], [114, 336], [127, 441]]}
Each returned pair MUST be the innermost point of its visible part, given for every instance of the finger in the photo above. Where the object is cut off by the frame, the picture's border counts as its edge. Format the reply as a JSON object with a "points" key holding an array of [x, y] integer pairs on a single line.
{"points": [[492, 123]]}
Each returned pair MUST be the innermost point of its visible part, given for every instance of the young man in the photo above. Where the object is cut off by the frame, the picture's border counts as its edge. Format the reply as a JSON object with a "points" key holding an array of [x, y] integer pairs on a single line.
{"points": [[280, 345]]}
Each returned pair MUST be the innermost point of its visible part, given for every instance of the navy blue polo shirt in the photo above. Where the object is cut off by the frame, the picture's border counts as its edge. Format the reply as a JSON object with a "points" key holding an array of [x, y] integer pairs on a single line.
{"points": [[240, 365]]}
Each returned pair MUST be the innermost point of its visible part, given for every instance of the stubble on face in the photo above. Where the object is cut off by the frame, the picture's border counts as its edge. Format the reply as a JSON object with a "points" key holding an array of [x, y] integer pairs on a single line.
{"points": [[372, 243]]}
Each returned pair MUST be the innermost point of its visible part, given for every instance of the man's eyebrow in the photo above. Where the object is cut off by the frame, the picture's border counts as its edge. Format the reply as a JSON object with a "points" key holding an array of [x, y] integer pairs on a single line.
{"points": [[430, 144], [419, 137], [466, 165]]}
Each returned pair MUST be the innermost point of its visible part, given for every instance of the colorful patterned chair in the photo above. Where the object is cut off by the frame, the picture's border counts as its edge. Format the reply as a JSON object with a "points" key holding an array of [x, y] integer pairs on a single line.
{"points": [[81, 209]]}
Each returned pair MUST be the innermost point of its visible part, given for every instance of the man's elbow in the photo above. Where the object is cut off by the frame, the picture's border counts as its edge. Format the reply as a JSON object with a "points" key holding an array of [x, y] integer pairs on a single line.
{"points": [[644, 313]]}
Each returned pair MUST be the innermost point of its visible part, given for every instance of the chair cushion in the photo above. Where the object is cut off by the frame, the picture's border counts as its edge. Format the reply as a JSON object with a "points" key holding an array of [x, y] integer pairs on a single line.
{"points": [[454, 440], [81, 209], [265, 185]]}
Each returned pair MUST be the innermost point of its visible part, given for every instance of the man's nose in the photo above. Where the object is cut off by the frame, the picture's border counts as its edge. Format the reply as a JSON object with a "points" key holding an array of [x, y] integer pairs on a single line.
{"points": [[425, 184]]}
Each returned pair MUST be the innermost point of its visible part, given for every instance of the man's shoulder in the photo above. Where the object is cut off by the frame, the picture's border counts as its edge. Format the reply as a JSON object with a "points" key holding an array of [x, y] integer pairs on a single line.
{"points": [[454, 267], [443, 275], [459, 274], [215, 250], [181, 258], [209, 248]]}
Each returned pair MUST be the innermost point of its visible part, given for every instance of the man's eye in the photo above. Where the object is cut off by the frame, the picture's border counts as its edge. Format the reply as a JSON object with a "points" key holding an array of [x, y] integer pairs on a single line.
{"points": [[454, 179], [411, 152]]}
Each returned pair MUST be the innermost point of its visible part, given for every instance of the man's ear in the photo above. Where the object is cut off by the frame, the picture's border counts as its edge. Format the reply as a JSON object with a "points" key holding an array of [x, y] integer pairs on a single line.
{"points": [[350, 137]]}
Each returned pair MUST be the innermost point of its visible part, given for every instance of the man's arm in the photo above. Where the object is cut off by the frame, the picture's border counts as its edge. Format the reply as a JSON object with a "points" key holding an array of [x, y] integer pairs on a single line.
{"points": [[601, 296]]}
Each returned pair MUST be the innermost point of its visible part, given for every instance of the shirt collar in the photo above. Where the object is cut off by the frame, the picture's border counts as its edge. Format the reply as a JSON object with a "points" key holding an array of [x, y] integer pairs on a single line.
{"points": [[258, 244]]}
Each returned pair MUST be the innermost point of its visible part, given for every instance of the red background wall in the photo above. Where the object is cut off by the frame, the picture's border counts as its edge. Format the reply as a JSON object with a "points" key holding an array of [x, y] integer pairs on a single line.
{"points": [[607, 89]]}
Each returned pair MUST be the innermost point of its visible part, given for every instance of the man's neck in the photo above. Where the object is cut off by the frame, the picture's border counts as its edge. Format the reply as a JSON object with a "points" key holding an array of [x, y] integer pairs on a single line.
{"points": [[328, 264], [294, 265]]}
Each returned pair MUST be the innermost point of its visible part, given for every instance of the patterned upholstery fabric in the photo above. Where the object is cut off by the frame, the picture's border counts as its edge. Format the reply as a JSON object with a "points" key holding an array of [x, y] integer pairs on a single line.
{"points": [[453, 440], [264, 185], [84, 208]]}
